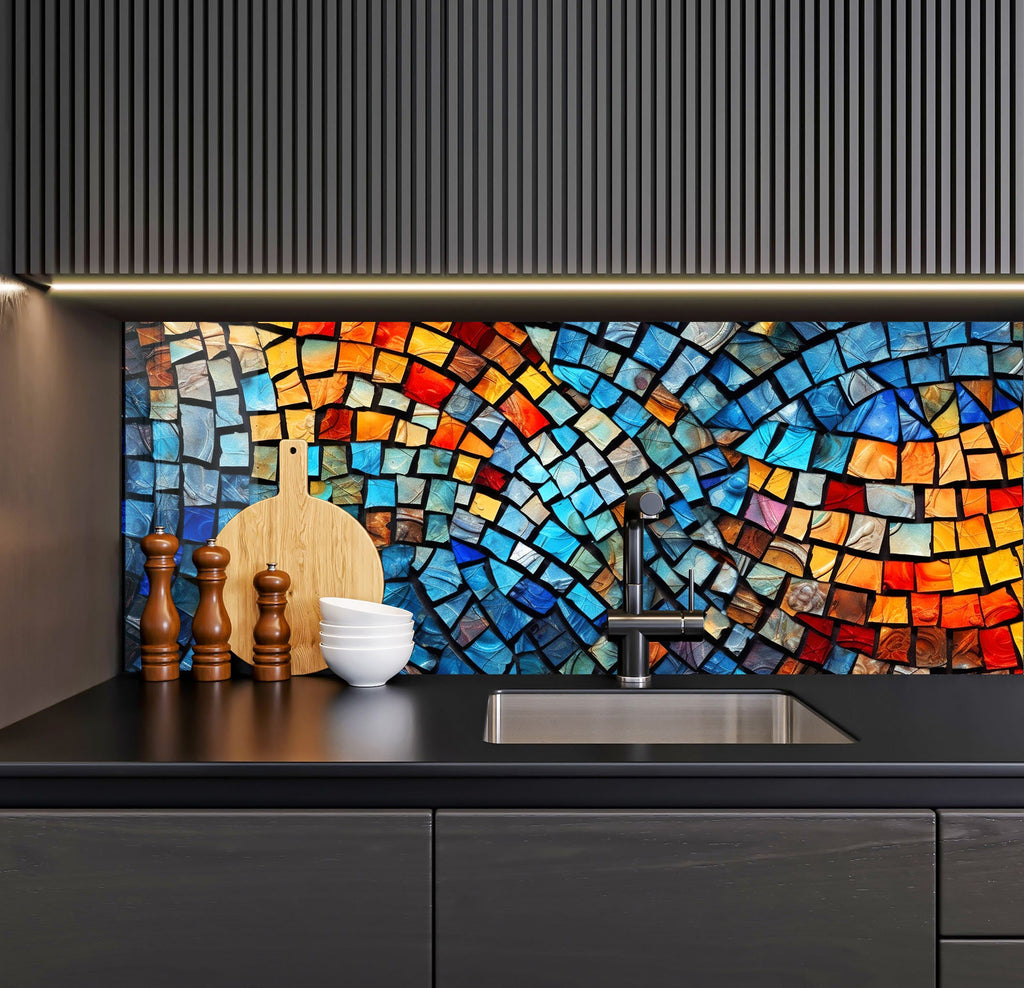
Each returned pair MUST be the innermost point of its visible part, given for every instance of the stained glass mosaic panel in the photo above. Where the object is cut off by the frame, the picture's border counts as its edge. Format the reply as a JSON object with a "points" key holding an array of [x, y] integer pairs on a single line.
{"points": [[847, 496]]}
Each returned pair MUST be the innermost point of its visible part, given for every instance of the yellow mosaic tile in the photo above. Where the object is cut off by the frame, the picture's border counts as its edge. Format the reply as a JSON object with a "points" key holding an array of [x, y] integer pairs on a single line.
{"points": [[265, 427], [779, 483], [492, 385], [823, 562], [966, 573], [944, 537], [1006, 527], [430, 346], [390, 368], [485, 506], [465, 468], [1001, 566], [299, 423], [533, 381]]}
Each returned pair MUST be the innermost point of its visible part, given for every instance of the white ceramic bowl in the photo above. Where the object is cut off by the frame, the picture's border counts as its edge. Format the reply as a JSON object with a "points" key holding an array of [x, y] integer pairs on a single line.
{"points": [[361, 666], [367, 636], [371, 641], [366, 630], [347, 610]]}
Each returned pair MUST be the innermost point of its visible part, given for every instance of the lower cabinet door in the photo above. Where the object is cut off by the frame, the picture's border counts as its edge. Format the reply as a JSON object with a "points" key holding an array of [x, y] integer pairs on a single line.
{"points": [[981, 963], [168, 899], [609, 898]]}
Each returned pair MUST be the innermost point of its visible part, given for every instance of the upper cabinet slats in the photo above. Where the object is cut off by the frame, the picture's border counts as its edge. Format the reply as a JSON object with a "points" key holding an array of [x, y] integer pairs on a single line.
{"points": [[517, 136]]}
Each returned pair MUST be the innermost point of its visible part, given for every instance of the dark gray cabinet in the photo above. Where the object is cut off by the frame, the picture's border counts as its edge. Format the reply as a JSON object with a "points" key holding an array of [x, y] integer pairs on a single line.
{"points": [[981, 855], [981, 963], [603, 898], [169, 899]]}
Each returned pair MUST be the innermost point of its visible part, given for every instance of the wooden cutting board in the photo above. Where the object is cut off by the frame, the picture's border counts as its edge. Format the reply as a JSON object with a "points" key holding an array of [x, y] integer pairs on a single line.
{"points": [[324, 549]]}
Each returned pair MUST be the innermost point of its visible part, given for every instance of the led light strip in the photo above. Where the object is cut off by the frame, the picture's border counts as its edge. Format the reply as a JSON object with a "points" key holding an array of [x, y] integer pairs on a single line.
{"points": [[554, 285]]}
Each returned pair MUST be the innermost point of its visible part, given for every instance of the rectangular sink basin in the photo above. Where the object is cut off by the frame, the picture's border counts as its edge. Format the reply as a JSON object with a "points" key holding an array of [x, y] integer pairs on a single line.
{"points": [[655, 717]]}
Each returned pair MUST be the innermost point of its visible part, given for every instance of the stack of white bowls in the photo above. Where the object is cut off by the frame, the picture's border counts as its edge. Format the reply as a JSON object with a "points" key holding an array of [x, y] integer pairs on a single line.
{"points": [[362, 642]]}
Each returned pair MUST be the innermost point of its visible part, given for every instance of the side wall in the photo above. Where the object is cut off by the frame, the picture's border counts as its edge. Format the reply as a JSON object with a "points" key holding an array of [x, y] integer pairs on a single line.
{"points": [[60, 478]]}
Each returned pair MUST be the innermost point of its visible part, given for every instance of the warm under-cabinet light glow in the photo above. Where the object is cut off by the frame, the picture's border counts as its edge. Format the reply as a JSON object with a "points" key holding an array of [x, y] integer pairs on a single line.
{"points": [[555, 285]]}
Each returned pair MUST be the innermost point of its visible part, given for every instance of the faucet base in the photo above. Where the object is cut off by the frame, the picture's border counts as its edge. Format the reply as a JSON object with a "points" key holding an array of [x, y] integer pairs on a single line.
{"points": [[634, 682]]}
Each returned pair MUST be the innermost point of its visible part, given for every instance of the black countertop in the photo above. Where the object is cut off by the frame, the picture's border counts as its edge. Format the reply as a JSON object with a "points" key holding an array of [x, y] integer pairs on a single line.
{"points": [[937, 742]]}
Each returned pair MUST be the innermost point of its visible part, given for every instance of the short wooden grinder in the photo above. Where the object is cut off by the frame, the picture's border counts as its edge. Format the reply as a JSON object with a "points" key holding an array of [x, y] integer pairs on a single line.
{"points": [[271, 651]]}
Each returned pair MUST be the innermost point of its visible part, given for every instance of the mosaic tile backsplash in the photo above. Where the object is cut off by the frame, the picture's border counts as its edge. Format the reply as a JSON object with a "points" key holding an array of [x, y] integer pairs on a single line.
{"points": [[848, 496]]}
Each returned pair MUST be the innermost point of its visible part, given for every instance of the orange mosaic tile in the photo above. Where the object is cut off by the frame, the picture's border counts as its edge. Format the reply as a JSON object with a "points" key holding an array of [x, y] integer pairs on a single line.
{"points": [[924, 608], [448, 432], [829, 527], [917, 463], [371, 426], [524, 414], [355, 358], [889, 610], [952, 469], [974, 501], [972, 534], [999, 607], [1007, 428], [933, 576], [873, 460], [858, 571], [474, 445], [357, 332], [984, 466], [391, 335]]}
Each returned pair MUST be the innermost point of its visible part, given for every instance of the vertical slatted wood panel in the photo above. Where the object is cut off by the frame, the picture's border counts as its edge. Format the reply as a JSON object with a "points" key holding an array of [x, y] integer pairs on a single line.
{"points": [[508, 136]]}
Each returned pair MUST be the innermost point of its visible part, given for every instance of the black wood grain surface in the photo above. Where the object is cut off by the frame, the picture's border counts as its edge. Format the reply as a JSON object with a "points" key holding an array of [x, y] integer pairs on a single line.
{"points": [[170, 900], [981, 864], [699, 899]]}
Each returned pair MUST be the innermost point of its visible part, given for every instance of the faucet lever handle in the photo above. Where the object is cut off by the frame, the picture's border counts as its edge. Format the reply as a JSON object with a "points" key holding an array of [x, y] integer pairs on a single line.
{"points": [[689, 580]]}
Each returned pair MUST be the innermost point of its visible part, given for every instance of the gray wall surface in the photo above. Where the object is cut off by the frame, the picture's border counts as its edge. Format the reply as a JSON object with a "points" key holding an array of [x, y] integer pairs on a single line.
{"points": [[60, 489], [550, 136]]}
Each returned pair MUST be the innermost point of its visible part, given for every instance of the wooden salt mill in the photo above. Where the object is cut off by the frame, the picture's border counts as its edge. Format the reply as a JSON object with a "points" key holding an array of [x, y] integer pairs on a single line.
{"points": [[271, 652], [211, 626], [160, 624]]}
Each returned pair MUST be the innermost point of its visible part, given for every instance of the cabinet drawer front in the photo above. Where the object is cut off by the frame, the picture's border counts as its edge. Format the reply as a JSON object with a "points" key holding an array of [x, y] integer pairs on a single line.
{"points": [[167, 899], [758, 899], [981, 963], [981, 873]]}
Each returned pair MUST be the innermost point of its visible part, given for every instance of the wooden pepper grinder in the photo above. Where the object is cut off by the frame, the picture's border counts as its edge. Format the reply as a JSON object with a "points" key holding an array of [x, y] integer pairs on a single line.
{"points": [[160, 624], [211, 626], [271, 652]]}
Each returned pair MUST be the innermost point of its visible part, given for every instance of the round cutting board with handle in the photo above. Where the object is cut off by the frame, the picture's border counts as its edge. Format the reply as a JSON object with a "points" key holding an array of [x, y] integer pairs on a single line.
{"points": [[324, 549]]}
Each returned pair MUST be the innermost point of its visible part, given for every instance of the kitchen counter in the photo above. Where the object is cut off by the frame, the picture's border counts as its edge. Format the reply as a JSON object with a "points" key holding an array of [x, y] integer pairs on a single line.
{"points": [[920, 742]]}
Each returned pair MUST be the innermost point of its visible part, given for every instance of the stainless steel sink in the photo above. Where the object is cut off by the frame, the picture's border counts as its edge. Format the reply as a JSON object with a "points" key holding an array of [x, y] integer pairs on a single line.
{"points": [[655, 717]]}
